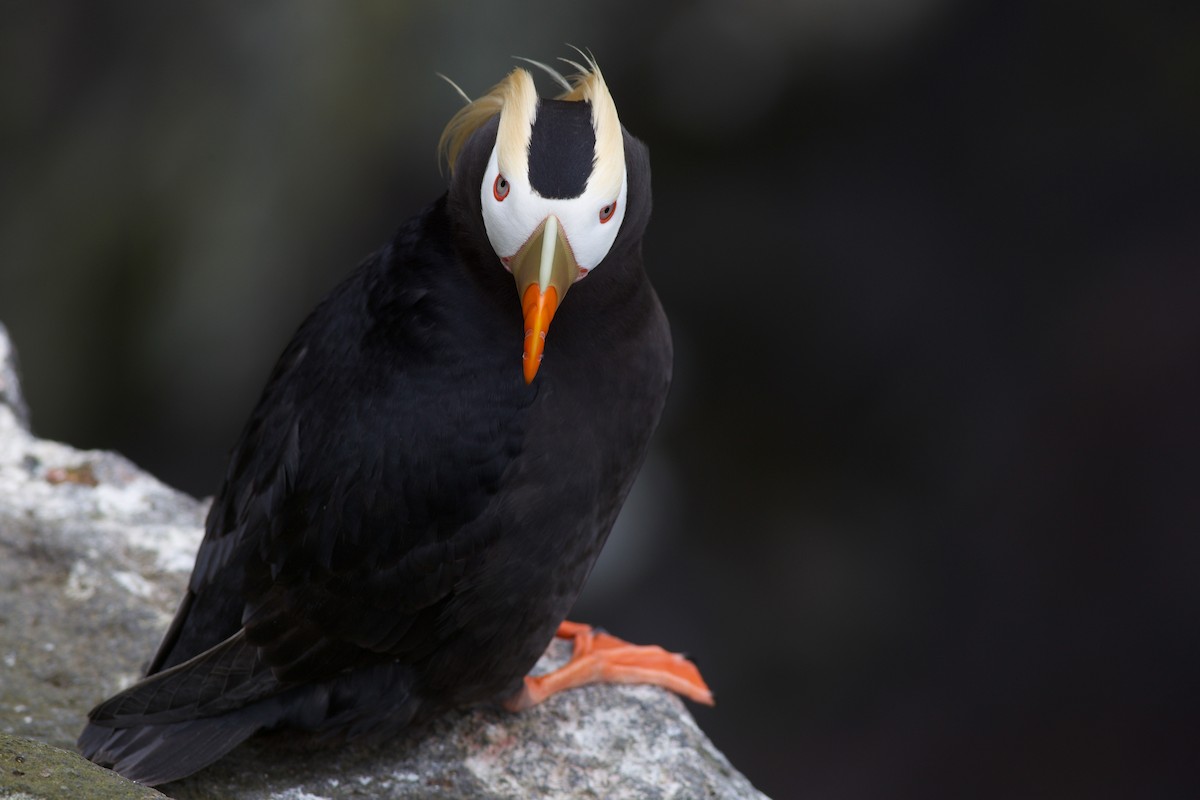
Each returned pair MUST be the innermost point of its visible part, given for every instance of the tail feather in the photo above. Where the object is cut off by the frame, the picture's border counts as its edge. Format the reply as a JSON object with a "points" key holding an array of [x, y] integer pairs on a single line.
{"points": [[155, 754], [178, 721]]}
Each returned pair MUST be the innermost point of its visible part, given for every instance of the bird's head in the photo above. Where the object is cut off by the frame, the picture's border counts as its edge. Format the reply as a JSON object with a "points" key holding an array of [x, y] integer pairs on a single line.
{"points": [[553, 193]]}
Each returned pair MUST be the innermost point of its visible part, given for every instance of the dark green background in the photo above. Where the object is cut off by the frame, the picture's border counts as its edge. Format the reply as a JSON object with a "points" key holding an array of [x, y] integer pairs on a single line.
{"points": [[924, 504]]}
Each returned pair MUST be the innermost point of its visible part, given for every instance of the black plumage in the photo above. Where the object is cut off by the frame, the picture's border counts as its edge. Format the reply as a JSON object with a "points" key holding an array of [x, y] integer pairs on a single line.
{"points": [[405, 520], [561, 147]]}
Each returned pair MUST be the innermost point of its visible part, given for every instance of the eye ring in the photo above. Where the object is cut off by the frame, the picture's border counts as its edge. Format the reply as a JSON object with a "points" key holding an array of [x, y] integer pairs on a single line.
{"points": [[500, 187], [608, 212]]}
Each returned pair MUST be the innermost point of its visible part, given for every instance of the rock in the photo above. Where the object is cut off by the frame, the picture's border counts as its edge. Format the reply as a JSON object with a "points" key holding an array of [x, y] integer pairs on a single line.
{"points": [[10, 384], [37, 771], [94, 555]]}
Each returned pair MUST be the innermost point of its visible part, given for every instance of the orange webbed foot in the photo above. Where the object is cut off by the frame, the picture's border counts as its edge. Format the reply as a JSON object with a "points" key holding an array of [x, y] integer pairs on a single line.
{"points": [[601, 658]]}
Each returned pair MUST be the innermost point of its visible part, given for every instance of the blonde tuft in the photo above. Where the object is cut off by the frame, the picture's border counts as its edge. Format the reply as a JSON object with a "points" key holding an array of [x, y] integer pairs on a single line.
{"points": [[515, 99], [516, 91], [588, 84]]}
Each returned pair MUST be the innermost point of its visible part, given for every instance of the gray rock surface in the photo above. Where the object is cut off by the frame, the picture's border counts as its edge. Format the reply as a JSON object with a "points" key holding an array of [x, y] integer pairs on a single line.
{"points": [[94, 554], [10, 384]]}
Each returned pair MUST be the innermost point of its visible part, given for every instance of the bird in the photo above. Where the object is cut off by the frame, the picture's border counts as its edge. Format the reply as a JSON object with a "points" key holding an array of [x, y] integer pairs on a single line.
{"points": [[411, 509]]}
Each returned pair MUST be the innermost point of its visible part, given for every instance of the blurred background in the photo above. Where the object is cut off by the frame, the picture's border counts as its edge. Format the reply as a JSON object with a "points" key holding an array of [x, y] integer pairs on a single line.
{"points": [[925, 501]]}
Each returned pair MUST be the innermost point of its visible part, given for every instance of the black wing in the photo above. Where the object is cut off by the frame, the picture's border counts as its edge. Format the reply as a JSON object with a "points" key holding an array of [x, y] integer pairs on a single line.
{"points": [[355, 498]]}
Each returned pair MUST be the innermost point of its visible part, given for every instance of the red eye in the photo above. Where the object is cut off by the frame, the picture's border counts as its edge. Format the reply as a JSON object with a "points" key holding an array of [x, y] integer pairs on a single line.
{"points": [[607, 212], [500, 188]]}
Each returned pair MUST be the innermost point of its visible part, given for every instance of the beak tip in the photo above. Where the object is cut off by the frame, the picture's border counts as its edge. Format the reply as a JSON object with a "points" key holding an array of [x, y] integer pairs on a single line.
{"points": [[530, 366], [539, 308]]}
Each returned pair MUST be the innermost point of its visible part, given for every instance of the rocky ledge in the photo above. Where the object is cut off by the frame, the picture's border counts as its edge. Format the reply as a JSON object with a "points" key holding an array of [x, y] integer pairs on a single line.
{"points": [[94, 554]]}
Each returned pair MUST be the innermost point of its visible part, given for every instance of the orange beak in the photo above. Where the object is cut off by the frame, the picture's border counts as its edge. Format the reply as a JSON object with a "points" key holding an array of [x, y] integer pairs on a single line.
{"points": [[544, 269], [539, 308]]}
